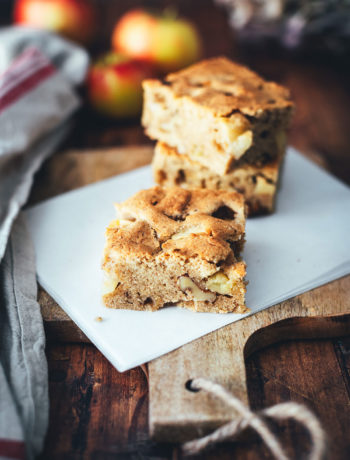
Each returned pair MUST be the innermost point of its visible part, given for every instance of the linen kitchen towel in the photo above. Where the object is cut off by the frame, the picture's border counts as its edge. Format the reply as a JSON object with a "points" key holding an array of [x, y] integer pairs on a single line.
{"points": [[35, 98], [38, 72]]}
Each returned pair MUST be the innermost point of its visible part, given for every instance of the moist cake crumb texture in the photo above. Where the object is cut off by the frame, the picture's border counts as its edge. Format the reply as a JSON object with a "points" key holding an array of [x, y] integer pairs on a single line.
{"points": [[258, 184], [177, 246]]}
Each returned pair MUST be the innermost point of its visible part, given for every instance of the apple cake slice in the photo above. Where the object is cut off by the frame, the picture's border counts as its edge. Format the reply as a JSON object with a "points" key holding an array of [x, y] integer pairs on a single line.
{"points": [[177, 247], [219, 113]]}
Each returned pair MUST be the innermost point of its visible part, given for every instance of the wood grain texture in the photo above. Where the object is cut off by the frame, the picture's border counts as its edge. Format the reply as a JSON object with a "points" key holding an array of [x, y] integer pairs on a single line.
{"points": [[98, 413], [313, 379], [71, 169], [177, 414], [91, 398]]}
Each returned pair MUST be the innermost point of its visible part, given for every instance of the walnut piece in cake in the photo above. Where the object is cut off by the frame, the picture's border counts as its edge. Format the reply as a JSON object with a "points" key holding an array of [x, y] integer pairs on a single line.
{"points": [[258, 184], [218, 113], [179, 247]]}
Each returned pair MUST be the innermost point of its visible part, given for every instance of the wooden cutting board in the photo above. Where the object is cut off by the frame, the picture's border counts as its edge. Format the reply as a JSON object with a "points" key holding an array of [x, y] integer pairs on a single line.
{"points": [[175, 412]]}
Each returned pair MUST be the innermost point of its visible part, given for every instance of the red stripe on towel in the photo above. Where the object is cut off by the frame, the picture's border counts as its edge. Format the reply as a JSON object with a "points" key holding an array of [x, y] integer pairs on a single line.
{"points": [[25, 86], [24, 74], [12, 449]]}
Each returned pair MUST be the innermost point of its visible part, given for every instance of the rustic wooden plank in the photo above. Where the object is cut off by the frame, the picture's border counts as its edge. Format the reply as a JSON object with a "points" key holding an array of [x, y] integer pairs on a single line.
{"points": [[58, 325], [177, 414], [342, 351], [96, 412], [306, 372], [72, 169], [115, 425]]}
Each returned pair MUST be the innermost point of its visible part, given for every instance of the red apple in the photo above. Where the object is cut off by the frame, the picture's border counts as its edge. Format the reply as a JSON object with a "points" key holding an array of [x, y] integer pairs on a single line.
{"points": [[114, 85], [166, 42], [74, 19]]}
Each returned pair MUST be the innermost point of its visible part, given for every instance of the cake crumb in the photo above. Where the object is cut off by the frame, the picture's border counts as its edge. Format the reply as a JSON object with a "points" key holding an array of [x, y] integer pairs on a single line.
{"points": [[99, 319], [177, 246]]}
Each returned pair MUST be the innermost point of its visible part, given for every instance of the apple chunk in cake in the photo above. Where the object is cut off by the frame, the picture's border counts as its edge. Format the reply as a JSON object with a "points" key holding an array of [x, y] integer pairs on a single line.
{"points": [[219, 113], [179, 247]]}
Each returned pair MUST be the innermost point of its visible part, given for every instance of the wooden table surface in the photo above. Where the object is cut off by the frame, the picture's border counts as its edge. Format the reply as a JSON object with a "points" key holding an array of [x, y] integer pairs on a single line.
{"points": [[98, 413]]}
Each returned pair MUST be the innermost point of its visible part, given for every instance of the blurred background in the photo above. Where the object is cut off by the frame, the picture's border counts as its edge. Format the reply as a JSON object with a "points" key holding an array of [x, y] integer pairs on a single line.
{"points": [[302, 44]]}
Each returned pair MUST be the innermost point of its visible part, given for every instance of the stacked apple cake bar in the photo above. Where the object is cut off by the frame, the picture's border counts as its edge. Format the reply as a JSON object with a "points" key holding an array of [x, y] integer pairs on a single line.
{"points": [[219, 126]]}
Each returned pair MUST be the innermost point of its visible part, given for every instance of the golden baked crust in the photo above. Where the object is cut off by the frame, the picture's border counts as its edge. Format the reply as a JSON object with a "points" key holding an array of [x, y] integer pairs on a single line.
{"points": [[175, 246], [173, 210], [258, 184], [218, 113], [224, 86]]}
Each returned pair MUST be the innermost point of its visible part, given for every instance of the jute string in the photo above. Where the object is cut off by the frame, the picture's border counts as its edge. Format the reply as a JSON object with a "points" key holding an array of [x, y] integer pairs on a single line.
{"points": [[288, 410]]}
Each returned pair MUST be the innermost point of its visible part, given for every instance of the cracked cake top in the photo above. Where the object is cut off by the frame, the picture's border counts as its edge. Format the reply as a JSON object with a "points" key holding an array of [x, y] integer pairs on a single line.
{"points": [[201, 223], [226, 88]]}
